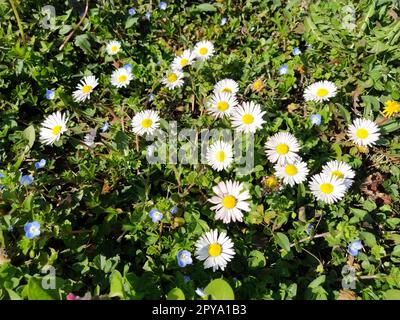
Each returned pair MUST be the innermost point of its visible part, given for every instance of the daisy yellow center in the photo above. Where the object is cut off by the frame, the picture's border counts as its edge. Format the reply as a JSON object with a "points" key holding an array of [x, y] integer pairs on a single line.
{"points": [[222, 105], [322, 92], [172, 77], [326, 188], [337, 174], [184, 62], [214, 249], [203, 51], [271, 182], [282, 148], [56, 130], [220, 156], [290, 170], [146, 123], [248, 119], [86, 89], [227, 90], [122, 78], [362, 133], [229, 202], [257, 85], [114, 48]]}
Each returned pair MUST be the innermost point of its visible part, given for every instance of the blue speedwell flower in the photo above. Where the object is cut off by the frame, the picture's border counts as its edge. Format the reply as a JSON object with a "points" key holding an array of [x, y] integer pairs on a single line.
{"points": [[354, 247], [32, 229], [174, 210], [132, 11], [223, 21], [155, 215], [128, 67], [315, 119], [26, 180], [186, 279], [148, 14], [283, 69], [151, 97], [296, 51], [163, 5], [40, 164], [184, 258], [50, 94], [105, 127]]}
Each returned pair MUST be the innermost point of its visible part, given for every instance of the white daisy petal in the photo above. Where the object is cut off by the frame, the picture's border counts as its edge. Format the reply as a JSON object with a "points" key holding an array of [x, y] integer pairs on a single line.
{"points": [[173, 79], [292, 173], [53, 127], [113, 47], [341, 170], [226, 86], [85, 88], [282, 148], [215, 250], [121, 77], [327, 188], [185, 59], [221, 104], [145, 122], [320, 91], [247, 117], [203, 50], [363, 132]]}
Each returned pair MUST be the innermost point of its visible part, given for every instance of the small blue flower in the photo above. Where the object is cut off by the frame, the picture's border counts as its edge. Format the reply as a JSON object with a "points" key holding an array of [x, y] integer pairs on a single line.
{"points": [[148, 15], [50, 94], [32, 229], [354, 247], [315, 119], [184, 258], [1, 175], [40, 164], [223, 21], [151, 97], [128, 67], [296, 51], [105, 127], [132, 11], [26, 180], [174, 210], [310, 227], [186, 279], [283, 69], [163, 5], [155, 215]]}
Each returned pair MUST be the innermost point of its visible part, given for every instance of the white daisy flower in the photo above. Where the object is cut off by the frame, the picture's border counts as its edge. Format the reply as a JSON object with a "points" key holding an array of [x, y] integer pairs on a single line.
{"points": [[221, 104], [53, 127], [320, 91], [85, 88], [230, 201], [363, 132], [292, 173], [203, 50], [340, 170], [328, 189], [185, 59], [121, 77], [247, 117], [145, 122], [215, 250], [113, 47], [227, 86], [173, 79], [282, 148], [219, 155]]}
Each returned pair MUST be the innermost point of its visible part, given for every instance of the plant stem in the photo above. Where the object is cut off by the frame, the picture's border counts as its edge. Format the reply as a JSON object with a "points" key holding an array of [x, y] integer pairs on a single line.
{"points": [[21, 30]]}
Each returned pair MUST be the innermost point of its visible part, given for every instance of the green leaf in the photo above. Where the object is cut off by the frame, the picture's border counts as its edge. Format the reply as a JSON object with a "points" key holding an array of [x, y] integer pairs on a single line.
{"points": [[392, 294], [368, 238], [116, 285], [219, 289], [13, 295], [82, 41], [317, 282], [283, 241], [130, 22], [29, 135], [176, 294], [345, 113], [256, 259], [37, 292], [205, 7]]}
